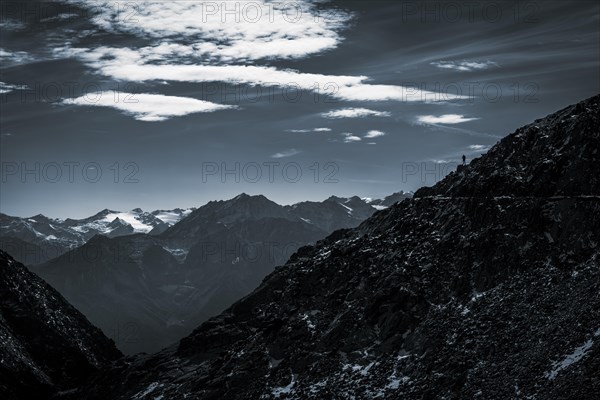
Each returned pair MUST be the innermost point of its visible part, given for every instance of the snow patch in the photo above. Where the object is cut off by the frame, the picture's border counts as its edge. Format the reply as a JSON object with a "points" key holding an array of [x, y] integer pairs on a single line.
{"points": [[572, 358], [278, 391], [130, 219], [349, 210], [171, 217], [360, 369], [151, 388]]}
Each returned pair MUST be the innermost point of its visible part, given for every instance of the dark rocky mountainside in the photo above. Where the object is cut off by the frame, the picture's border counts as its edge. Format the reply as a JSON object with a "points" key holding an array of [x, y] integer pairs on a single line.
{"points": [[484, 286], [390, 200], [554, 156], [47, 345]]}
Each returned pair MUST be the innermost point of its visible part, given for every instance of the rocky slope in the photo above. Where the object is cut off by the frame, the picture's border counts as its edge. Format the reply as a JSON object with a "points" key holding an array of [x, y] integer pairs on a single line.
{"points": [[554, 156], [485, 286], [47, 345]]}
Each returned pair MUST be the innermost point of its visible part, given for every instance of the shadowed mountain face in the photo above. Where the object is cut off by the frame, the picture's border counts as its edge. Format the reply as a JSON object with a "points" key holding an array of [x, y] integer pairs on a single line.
{"points": [[484, 286], [47, 345], [148, 291]]}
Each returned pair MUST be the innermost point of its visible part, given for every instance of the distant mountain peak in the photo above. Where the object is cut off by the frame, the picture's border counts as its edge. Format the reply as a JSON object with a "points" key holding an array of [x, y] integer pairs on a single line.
{"points": [[117, 222], [102, 213], [246, 197], [334, 198]]}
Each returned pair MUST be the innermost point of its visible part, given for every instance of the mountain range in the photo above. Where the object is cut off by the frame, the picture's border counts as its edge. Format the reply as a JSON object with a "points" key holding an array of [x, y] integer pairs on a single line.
{"points": [[150, 288], [37, 239], [482, 286]]}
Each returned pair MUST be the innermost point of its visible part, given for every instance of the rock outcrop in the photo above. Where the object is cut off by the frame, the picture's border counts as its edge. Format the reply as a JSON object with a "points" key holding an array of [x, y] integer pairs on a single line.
{"points": [[47, 345]]}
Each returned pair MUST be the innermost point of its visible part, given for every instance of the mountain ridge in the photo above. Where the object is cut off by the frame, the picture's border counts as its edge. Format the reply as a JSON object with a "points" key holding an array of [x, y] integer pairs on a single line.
{"points": [[37, 239], [162, 286]]}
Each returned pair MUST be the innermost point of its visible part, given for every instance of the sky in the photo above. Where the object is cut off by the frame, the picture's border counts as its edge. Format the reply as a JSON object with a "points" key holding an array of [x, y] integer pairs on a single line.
{"points": [[158, 105]]}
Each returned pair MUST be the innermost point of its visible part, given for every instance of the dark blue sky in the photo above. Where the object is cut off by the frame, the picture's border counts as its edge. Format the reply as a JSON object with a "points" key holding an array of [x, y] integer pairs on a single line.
{"points": [[166, 99]]}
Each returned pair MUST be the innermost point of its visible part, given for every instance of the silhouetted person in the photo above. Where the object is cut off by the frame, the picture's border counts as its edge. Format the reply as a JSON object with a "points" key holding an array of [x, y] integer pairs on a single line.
{"points": [[464, 159]]}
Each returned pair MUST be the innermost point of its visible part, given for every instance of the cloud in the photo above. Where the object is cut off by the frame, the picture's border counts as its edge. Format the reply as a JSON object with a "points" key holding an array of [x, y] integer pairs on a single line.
{"points": [[139, 66], [11, 25], [147, 107], [368, 92], [374, 134], [7, 87], [230, 31], [355, 113], [218, 42], [479, 147], [465, 66], [60, 17], [309, 130], [14, 57], [286, 153], [350, 137], [449, 119]]}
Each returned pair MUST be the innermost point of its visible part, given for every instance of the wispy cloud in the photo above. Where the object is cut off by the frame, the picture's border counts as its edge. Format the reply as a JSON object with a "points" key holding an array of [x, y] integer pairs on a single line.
{"points": [[60, 17], [374, 134], [11, 25], [147, 107], [7, 87], [14, 57], [447, 119], [309, 130], [189, 42], [286, 153], [142, 65], [350, 137], [240, 31], [464, 66], [479, 147], [355, 113]]}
